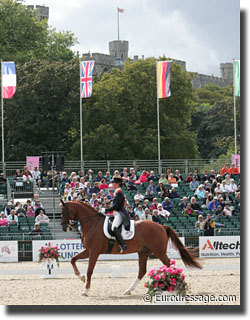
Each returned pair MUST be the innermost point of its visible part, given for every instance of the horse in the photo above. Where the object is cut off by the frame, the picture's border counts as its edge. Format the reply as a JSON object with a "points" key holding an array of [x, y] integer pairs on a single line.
{"points": [[150, 238]]}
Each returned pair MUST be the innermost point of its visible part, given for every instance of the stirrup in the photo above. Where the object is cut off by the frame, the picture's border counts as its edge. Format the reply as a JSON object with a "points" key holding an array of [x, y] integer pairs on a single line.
{"points": [[122, 248]]}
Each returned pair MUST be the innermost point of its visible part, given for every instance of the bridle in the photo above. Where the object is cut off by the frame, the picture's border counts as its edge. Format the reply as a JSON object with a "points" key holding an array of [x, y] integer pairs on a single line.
{"points": [[69, 224]]}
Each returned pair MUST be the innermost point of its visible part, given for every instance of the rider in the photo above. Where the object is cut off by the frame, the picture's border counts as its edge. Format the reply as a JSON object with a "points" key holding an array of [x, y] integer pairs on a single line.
{"points": [[120, 213]]}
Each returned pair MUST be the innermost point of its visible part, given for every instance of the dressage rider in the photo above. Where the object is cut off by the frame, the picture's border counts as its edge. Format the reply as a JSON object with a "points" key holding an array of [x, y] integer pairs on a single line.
{"points": [[120, 213]]}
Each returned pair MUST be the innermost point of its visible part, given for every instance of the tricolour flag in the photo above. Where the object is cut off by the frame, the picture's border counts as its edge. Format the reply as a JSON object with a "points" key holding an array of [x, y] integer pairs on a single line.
{"points": [[120, 10], [237, 78], [163, 79], [86, 68], [8, 79]]}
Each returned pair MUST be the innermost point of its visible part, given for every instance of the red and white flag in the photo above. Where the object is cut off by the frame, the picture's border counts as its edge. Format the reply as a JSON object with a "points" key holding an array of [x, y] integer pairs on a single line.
{"points": [[120, 10], [8, 79]]}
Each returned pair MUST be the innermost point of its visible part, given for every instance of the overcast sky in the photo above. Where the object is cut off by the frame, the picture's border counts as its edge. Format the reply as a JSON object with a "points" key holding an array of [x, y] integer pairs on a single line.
{"points": [[203, 33]]}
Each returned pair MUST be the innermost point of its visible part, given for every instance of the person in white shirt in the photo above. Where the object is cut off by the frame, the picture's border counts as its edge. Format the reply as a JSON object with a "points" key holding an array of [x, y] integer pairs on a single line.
{"points": [[146, 215], [12, 218], [227, 210], [42, 218], [36, 175], [162, 212], [139, 196]]}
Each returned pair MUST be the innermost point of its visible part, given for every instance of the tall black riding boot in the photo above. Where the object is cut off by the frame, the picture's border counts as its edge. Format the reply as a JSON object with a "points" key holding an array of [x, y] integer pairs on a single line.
{"points": [[120, 240]]}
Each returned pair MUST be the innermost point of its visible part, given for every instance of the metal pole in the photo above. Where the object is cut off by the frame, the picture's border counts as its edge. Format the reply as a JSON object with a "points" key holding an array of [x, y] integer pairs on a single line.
{"points": [[81, 123], [118, 24], [158, 122], [3, 160], [53, 196], [235, 133]]}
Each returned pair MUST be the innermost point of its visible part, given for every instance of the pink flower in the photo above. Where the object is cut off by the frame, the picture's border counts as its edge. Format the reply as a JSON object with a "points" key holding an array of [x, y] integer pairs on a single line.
{"points": [[163, 276], [145, 285], [151, 272], [157, 277], [156, 284], [170, 289], [183, 276], [175, 272], [162, 285], [163, 268], [179, 270], [169, 270], [172, 261]]}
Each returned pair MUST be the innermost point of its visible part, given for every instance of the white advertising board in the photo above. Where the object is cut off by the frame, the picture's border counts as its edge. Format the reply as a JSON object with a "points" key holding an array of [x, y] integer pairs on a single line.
{"points": [[219, 247], [8, 251]]}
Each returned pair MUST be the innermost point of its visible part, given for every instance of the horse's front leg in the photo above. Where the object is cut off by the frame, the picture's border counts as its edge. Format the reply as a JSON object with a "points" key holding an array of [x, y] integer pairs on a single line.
{"points": [[82, 255], [92, 261]]}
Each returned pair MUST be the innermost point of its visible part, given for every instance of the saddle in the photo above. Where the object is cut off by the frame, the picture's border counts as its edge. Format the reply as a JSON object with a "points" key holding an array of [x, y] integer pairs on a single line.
{"points": [[126, 234]]}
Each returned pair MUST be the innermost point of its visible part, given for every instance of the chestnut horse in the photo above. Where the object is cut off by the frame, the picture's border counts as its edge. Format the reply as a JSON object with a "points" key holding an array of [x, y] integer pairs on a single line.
{"points": [[149, 238]]}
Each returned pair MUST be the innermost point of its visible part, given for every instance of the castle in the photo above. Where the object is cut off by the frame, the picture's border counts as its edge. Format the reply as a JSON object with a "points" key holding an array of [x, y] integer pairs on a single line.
{"points": [[118, 54]]}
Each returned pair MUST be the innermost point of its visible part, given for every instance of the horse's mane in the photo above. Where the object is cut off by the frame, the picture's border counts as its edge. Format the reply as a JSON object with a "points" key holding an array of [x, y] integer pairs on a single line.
{"points": [[88, 205]]}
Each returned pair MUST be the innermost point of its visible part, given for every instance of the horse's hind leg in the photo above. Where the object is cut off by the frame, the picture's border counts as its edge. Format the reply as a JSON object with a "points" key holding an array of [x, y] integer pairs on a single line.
{"points": [[143, 258], [82, 255]]}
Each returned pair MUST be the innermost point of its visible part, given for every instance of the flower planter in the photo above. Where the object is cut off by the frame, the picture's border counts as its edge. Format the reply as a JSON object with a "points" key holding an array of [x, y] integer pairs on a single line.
{"points": [[167, 298]]}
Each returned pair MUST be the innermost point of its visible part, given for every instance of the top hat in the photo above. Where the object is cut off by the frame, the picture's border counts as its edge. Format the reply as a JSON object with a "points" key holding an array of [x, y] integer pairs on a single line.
{"points": [[117, 179]]}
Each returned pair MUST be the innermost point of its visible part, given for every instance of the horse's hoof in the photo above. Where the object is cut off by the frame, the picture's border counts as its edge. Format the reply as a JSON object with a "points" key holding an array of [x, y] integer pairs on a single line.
{"points": [[83, 278], [84, 294], [127, 293]]}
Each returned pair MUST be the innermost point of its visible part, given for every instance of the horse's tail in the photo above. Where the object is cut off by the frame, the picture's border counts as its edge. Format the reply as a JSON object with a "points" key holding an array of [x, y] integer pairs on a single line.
{"points": [[189, 256]]}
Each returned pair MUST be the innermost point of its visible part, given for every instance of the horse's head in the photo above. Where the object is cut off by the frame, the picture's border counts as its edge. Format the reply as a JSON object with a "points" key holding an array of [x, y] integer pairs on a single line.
{"points": [[68, 217]]}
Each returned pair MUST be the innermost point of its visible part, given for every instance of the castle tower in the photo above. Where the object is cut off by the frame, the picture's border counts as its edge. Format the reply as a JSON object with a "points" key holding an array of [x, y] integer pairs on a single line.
{"points": [[119, 49], [42, 11], [226, 71]]}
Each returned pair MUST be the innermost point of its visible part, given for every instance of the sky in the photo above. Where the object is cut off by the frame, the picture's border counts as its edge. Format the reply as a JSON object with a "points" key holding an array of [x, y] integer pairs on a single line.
{"points": [[204, 33]]}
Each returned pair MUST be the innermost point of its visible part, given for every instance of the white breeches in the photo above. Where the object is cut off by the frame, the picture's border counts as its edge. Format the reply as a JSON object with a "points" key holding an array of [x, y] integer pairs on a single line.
{"points": [[117, 221]]}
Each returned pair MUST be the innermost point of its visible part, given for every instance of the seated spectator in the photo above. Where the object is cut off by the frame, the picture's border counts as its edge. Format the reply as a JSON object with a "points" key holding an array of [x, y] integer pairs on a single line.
{"points": [[99, 177], [8, 209], [232, 187], [155, 204], [125, 178], [222, 202], [3, 220], [133, 174], [110, 194], [73, 182], [183, 204], [212, 206], [136, 204], [198, 223], [200, 193], [148, 195], [205, 176], [196, 175], [167, 204], [36, 231], [30, 212], [189, 178], [77, 187], [208, 225], [101, 196], [224, 170], [209, 197], [189, 211], [225, 186], [93, 198], [139, 196], [96, 188], [103, 184], [18, 175], [36, 175], [163, 179], [88, 189], [168, 174], [218, 178], [139, 211], [233, 171], [12, 218], [21, 211], [82, 183], [219, 188], [36, 200], [42, 218], [173, 194], [237, 202], [193, 185], [227, 210], [162, 190], [131, 184], [38, 208], [136, 218], [227, 197], [144, 176], [81, 195], [146, 204], [208, 186], [162, 212], [155, 216], [45, 180], [228, 179], [172, 180], [178, 176], [89, 176], [2, 178], [108, 177], [27, 204], [26, 177], [195, 205], [124, 172], [219, 211], [146, 215], [212, 175], [152, 177], [152, 188]]}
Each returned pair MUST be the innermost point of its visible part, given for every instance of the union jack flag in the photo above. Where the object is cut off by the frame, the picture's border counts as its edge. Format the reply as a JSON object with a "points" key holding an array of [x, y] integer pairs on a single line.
{"points": [[86, 69]]}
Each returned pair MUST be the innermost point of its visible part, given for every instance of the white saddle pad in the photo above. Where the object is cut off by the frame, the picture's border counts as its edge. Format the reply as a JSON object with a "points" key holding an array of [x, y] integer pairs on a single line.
{"points": [[127, 235]]}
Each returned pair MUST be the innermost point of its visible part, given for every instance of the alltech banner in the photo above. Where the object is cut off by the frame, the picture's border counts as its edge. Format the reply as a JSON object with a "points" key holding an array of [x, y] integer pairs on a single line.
{"points": [[219, 247], [8, 251]]}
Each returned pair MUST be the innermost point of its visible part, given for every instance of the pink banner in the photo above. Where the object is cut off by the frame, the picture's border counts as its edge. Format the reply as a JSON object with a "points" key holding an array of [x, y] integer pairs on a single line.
{"points": [[32, 162], [236, 160]]}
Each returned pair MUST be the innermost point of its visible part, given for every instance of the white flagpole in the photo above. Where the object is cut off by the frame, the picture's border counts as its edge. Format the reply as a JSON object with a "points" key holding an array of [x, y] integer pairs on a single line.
{"points": [[118, 23], [3, 160], [158, 122], [235, 132], [81, 123]]}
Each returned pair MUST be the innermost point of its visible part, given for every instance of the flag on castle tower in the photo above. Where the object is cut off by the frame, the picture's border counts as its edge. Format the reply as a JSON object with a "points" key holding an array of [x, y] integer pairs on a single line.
{"points": [[120, 10], [237, 78], [163, 79], [8, 79], [86, 69]]}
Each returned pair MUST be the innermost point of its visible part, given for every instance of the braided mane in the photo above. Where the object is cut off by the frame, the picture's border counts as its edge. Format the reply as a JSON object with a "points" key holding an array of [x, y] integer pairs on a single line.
{"points": [[88, 205]]}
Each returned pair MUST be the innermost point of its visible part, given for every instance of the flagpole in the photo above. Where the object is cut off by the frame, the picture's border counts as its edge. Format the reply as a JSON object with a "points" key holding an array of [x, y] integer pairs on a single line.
{"points": [[118, 24], [235, 128], [81, 123], [158, 122], [3, 160]]}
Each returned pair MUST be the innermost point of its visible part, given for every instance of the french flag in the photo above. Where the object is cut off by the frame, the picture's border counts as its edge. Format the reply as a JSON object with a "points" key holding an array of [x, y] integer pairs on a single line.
{"points": [[8, 79]]}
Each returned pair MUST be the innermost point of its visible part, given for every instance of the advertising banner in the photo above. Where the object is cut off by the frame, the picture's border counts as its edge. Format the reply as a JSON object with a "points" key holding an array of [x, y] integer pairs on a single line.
{"points": [[172, 252], [8, 251], [219, 247], [32, 162]]}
